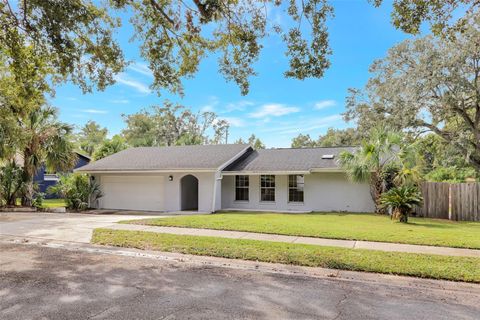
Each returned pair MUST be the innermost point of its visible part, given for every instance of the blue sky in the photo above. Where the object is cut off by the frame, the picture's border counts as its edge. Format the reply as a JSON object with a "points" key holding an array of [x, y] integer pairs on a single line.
{"points": [[276, 109]]}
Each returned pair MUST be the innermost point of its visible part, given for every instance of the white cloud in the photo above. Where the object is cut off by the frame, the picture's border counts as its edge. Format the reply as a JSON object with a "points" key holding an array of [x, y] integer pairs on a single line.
{"points": [[141, 68], [306, 125], [234, 121], [207, 108], [137, 85], [120, 101], [325, 104], [273, 109], [238, 106], [210, 106], [94, 111]]}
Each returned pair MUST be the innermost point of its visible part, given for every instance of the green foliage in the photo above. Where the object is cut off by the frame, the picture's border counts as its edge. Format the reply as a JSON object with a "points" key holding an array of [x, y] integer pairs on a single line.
{"points": [[173, 125], [382, 159], [38, 200], [176, 36], [255, 142], [67, 40], [11, 183], [303, 141], [73, 40], [44, 141], [401, 200], [439, 92], [91, 136], [109, 147], [79, 192], [451, 174], [443, 162], [332, 138], [340, 137], [409, 15]]}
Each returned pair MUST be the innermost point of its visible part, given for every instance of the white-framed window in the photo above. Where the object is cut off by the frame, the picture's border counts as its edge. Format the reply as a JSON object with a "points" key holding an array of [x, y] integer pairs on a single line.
{"points": [[242, 184], [267, 188], [296, 184]]}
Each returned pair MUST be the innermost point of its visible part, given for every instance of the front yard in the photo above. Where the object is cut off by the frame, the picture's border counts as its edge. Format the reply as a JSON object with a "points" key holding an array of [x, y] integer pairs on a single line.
{"points": [[349, 226], [53, 203], [409, 264]]}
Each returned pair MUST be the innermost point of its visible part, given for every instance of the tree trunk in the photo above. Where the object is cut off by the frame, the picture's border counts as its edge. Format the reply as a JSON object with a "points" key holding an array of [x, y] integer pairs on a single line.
{"points": [[400, 215], [376, 190], [27, 197], [28, 172]]}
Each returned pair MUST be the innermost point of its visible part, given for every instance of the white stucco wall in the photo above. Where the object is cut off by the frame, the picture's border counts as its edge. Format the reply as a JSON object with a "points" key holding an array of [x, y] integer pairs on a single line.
{"points": [[323, 192], [171, 189]]}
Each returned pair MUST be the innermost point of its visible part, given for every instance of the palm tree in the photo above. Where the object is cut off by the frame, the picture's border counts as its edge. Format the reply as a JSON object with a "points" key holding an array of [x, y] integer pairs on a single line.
{"points": [[373, 160], [45, 142]]}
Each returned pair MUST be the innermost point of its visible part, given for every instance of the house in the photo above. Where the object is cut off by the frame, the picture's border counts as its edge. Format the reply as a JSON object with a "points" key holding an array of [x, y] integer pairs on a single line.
{"points": [[209, 178], [45, 180]]}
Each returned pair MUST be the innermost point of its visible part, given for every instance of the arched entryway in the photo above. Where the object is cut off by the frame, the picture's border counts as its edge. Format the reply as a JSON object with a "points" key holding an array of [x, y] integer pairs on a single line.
{"points": [[189, 193]]}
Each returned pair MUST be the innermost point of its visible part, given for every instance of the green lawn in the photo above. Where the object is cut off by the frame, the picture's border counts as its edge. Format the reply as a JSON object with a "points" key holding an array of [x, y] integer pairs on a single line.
{"points": [[352, 226], [53, 203], [49, 203], [409, 264]]}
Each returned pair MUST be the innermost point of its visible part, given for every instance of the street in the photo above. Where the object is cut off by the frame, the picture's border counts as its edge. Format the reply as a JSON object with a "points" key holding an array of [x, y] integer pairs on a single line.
{"points": [[38, 282]]}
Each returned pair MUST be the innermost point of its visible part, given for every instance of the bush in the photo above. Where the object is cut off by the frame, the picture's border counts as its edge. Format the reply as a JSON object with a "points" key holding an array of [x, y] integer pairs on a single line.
{"points": [[11, 183], [401, 200], [38, 199], [451, 174], [77, 190]]}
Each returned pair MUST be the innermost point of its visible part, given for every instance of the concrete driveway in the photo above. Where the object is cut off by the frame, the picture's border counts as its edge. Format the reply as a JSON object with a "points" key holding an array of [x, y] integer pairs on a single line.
{"points": [[59, 226]]}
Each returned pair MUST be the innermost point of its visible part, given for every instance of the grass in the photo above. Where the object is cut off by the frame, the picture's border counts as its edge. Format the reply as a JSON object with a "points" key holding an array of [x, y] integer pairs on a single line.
{"points": [[350, 226], [53, 203], [408, 264], [49, 203]]}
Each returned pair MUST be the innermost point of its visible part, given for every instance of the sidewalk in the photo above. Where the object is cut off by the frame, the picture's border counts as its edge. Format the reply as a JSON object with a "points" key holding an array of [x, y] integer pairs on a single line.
{"points": [[351, 244]]}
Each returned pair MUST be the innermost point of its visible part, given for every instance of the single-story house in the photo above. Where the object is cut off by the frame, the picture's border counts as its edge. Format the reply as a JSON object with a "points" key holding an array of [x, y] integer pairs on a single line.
{"points": [[209, 178]]}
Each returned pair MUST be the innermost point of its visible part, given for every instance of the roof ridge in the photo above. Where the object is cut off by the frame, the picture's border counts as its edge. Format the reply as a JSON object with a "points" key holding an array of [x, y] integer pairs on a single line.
{"points": [[303, 148]]}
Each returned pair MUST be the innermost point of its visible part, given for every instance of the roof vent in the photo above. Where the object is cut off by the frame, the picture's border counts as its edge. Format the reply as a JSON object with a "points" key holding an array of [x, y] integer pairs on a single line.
{"points": [[328, 156]]}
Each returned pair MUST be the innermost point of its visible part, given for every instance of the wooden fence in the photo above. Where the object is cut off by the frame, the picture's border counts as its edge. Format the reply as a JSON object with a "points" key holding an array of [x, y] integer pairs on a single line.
{"points": [[454, 201]]}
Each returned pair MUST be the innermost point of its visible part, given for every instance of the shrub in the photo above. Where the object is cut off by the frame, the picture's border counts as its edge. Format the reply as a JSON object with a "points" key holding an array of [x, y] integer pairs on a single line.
{"points": [[38, 199], [401, 200], [11, 183], [451, 174], [77, 190]]}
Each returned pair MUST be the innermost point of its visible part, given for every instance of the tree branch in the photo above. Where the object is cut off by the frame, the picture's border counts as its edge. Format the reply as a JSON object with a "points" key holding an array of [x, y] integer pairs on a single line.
{"points": [[160, 9], [201, 8]]}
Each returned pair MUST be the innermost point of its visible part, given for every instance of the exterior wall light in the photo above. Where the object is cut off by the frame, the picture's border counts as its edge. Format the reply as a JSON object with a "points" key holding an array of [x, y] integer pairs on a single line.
{"points": [[170, 178]]}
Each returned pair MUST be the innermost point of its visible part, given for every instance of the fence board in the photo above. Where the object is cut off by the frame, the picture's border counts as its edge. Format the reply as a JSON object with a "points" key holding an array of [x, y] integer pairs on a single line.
{"points": [[466, 201], [435, 200], [457, 201]]}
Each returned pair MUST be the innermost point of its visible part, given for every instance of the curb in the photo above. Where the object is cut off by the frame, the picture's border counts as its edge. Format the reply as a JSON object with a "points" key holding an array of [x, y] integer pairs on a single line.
{"points": [[264, 267]]}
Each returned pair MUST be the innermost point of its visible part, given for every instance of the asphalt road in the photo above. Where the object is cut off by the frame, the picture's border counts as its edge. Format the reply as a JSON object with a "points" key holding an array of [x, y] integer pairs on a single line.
{"points": [[52, 283]]}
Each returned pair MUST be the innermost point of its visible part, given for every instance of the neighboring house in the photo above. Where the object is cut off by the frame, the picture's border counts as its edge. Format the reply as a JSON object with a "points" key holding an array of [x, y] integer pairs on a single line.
{"points": [[45, 180], [209, 178]]}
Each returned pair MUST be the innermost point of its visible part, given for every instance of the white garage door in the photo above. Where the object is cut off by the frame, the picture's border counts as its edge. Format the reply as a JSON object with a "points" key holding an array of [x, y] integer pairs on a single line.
{"points": [[132, 192]]}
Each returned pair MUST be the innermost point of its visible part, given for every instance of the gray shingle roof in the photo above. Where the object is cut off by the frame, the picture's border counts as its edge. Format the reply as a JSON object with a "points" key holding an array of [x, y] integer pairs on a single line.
{"points": [[197, 157], [299, 160]]}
